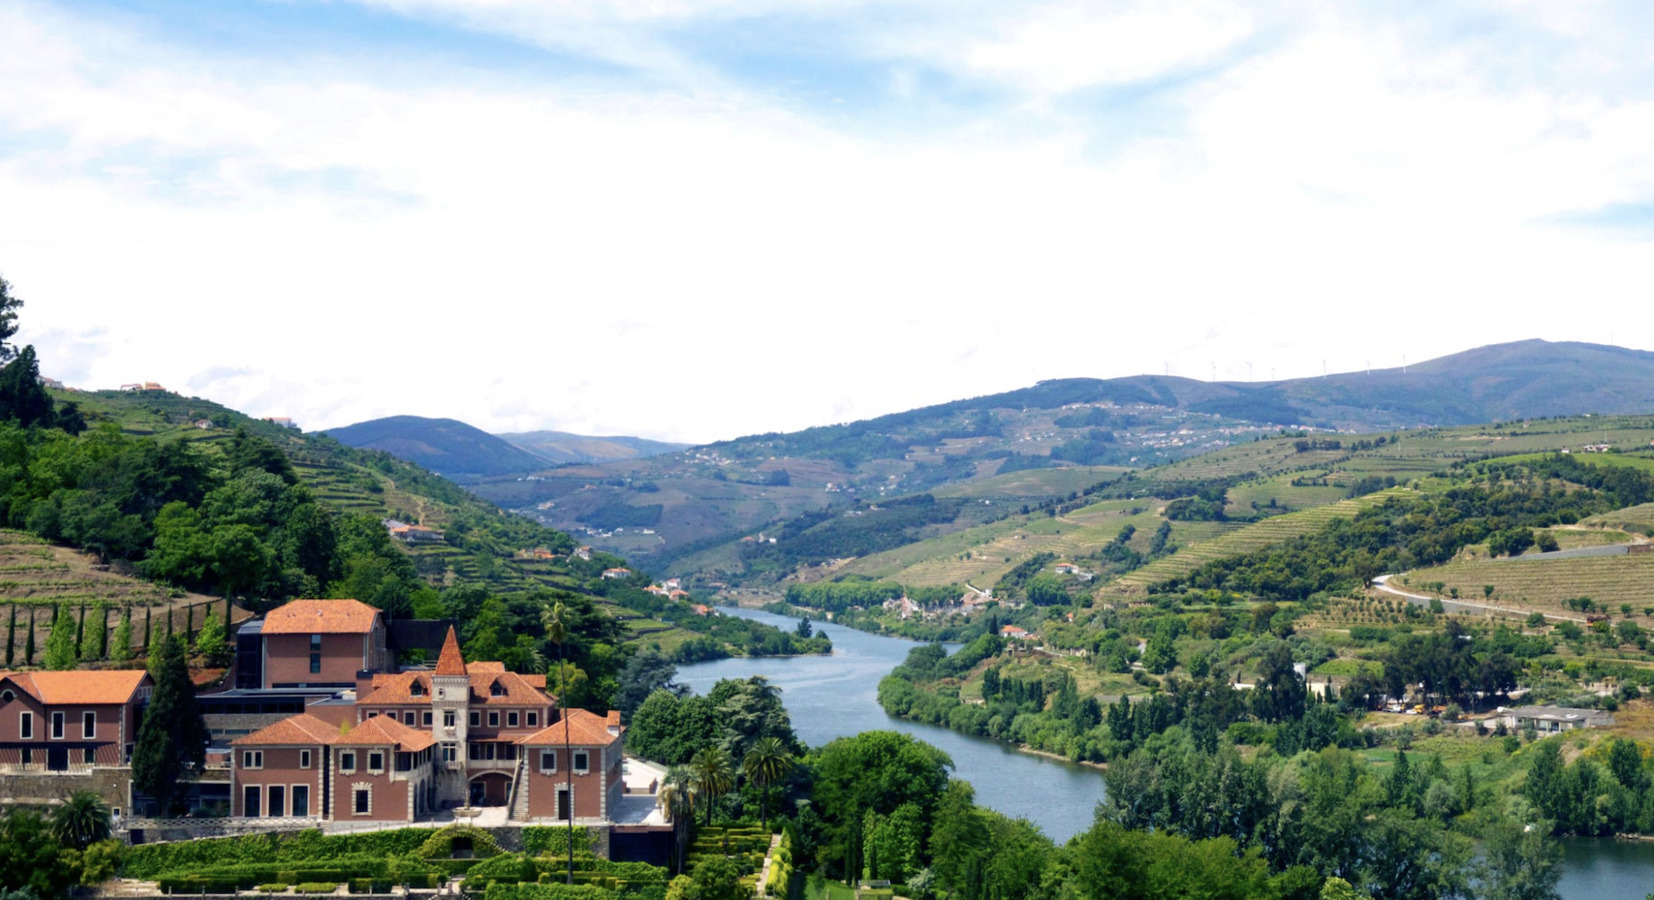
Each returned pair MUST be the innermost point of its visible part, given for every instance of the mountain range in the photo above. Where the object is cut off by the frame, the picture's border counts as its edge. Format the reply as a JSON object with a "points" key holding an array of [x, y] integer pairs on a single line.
{"points": [[466, 454], [663, 506]]}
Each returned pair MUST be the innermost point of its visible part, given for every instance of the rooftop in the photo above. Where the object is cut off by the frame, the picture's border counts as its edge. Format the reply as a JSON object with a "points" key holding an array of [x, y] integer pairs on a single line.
{"points": [[77, 686], [321, 617]]}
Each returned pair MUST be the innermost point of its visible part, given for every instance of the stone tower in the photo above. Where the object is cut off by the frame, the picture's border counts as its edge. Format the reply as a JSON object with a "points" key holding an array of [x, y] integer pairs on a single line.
{"points": [[451, 709]]}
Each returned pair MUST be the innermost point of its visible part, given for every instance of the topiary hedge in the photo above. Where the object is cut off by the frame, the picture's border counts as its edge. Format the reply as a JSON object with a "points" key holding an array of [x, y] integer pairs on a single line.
{"points": [[440, 844], [542, 839], [151, 861]]}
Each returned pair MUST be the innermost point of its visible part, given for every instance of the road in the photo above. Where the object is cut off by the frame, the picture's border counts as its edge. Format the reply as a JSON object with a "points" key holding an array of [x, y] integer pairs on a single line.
{"points": [[1382, 583]]}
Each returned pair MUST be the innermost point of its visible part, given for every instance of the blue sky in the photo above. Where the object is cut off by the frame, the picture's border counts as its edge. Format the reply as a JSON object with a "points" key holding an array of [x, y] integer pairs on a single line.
{"points": [[691, 220]]}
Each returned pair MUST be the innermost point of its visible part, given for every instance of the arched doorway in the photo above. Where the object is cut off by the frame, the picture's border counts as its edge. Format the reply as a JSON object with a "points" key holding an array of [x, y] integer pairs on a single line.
{"points": [[489, 789]]}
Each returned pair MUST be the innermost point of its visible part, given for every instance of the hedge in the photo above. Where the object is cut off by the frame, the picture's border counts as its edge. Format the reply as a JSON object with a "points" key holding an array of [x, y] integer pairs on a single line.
{"points": [[541, 839], [317, 887], [149, 861], [440, 844], [552, 891]]}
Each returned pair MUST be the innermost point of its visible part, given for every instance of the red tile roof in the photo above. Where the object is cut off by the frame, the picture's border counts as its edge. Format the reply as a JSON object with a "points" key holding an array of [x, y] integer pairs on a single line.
{"points": [[321, 617], [450, 662], [81, 687], [585, 729], [385, 731], [519, 689], [299, 729]]}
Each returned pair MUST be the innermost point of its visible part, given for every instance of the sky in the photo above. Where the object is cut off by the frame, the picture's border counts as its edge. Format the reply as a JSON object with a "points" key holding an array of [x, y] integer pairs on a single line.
{"points": [[697, 220]]}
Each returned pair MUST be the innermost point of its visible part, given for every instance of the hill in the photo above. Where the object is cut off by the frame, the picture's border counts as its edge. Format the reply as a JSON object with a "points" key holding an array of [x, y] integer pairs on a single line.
{"points": [[563, 448], [448, 447], [687, 503]]}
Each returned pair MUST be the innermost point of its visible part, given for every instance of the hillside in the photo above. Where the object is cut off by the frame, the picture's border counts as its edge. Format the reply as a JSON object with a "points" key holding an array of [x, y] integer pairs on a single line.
{"points": [[563, 448], [448, 447], [685, 504]]}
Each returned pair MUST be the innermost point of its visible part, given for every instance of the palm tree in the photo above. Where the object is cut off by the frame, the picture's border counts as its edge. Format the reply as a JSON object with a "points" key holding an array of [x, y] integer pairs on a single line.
{"points": [[558, 633], [82, 820], [677, 797], [767, 761], [714, 776]]}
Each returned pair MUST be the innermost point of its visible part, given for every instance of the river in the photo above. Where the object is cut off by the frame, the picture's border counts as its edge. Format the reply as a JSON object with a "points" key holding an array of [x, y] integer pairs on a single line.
{"points": [[834, 696]]}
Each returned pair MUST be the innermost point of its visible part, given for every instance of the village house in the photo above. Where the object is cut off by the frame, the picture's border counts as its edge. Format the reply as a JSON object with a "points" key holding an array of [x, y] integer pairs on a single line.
{"points": [[304, 767], [902, 606], [584, 553], [1016, 633], [65, 731], [617, 573], [1552, 719]]}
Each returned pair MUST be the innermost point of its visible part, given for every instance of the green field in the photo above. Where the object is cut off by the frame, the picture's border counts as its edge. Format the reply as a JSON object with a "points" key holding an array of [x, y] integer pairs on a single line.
{"points": [[1542, 584]]}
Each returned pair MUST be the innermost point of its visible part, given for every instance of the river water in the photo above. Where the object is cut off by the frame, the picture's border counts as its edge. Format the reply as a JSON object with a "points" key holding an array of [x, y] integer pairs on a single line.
{"points": [[835, 696]]}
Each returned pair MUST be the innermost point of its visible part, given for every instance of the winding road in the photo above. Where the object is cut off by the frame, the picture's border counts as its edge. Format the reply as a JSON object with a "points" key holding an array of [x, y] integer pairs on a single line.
{"points": [[1382, 583]]}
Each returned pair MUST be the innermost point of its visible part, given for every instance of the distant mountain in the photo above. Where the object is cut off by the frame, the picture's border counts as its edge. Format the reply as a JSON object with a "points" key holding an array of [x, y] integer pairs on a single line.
{"points": [[739, 487], [450, 448], [561, 447]]}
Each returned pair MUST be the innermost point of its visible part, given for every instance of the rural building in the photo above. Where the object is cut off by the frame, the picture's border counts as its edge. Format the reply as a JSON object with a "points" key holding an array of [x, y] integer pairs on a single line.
{"points": [[69, 721], [581, 553], [1552, 719], [305, 767], [1016, 633], [617, 573]]}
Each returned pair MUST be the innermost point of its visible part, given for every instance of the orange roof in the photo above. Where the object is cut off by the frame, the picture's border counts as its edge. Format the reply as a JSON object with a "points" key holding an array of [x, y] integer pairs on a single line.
{"points": [[585, 729], [82, 687], [519, 690], [538, 681], [299, 729], [321, 617], [481, 666], [383, 731], [450, 662]]}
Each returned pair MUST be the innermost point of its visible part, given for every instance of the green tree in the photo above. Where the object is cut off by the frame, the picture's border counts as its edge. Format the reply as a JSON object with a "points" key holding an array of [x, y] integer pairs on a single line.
{"points": [[28, 641], [677, 797], [60, 643], [717, 878], [155, 648], [30, 857], [22, 398], [671, 729], [211, 642], [9, 305], [1520, 862], [173, 738], [96, 640], [714, 776], [121, 649], [878, 771], [11, 635], [646, 672], [82, 820], [765, 763]]}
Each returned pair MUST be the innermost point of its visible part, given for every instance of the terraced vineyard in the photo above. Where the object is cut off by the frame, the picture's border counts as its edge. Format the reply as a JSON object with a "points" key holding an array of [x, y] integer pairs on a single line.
{"points": [[1543, 584], [1633, 518], [1244, 540], [36, 576]]}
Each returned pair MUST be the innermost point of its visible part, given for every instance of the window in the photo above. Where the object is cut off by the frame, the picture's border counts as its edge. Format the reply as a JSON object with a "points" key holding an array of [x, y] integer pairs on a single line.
{"points": [[25, 726], [7, 695], [450, 752], [88, 724], [416, 689], [511, 719], [374, 714], [363, 803], [278, 800], [57, 726], [534, 720], [89, 756], [562, 802], [315, 654], [495, 690], [408, 718], [347, 761], [448, 718], [548, 760], [476, 719], [376, 762], [249, 801], [301, 800], [582, 762], [304, 763], [427, 718], [252, 759], [493, 718]]}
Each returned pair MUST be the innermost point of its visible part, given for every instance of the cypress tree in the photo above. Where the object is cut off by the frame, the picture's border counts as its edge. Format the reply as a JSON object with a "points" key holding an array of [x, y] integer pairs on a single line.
{"points": [[169, 623], [189, 625], [149, 628], [97, 635], [121, 651], [11, 636], [173, 738], [60, 643], [80, 630], [28, 646], [157, 646]]}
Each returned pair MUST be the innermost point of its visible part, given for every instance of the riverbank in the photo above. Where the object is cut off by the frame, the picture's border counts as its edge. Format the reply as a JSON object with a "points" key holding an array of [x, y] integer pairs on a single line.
{"points": [[1024, 748]]}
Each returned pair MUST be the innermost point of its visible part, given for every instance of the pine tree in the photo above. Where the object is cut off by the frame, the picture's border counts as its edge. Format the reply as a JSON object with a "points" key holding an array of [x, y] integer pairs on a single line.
{"points": [[121, 651], [173, 738], [189, 625], [60, 643], [149, 627], [11, 637], [28, 646]]}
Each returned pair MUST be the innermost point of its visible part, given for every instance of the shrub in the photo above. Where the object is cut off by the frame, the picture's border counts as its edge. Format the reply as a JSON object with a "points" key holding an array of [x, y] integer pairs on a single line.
{"points": [[542, 839], [271, 888], [440, 845], [317, 887]]}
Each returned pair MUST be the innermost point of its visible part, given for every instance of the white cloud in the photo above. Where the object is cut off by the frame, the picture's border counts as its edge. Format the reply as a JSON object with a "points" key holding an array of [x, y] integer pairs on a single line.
{"points": [[337, 244]]}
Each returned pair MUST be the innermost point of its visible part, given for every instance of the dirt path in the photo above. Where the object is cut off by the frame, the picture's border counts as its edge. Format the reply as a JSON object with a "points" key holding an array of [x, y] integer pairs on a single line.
{"points": [[1382, 583]]}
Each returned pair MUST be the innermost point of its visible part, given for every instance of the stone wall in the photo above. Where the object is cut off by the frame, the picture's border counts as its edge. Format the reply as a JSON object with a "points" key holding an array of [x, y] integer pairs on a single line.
{"points": [[112, 784]]}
